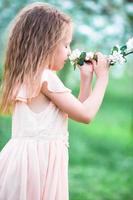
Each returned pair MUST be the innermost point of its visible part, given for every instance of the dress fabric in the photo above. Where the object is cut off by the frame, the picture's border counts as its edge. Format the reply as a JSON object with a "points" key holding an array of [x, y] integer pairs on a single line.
{"points": [[34, 162]]}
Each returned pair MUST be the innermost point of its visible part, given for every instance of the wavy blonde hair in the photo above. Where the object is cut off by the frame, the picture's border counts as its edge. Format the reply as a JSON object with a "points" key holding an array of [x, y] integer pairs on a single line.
{"points": [[34, 36]]}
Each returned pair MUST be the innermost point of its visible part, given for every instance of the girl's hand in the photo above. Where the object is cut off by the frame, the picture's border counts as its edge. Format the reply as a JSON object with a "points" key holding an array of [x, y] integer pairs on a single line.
{"points": [[101, 66], [86, 70]]}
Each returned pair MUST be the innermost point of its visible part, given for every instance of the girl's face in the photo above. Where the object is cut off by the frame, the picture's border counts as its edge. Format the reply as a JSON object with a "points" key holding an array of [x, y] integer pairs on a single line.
{"points": [[63, 51]]}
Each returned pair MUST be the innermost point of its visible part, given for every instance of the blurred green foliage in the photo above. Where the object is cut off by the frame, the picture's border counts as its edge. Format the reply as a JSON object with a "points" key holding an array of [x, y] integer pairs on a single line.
{"points": [[101, 153]]}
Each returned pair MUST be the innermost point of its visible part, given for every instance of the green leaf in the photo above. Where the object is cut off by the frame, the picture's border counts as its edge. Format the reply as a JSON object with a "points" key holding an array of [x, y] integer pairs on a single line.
{"points": [[82, 55], [80, 62], [115, 48], [123, 48], [81, 58]]}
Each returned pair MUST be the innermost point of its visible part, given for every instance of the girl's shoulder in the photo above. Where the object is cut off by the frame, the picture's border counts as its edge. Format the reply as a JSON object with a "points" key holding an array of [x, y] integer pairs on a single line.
{"points": [[54, 83], [49, 77]]}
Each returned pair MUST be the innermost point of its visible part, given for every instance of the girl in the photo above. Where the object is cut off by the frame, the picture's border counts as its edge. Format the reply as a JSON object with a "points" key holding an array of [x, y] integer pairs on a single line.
{"points": [[34, 162]]}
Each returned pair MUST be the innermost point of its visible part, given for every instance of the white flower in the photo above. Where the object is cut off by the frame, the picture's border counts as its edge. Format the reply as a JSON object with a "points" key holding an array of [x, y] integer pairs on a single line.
{"points": [[117, 57], [75, 54], [129, 44], [89, 56], [118, 46]]}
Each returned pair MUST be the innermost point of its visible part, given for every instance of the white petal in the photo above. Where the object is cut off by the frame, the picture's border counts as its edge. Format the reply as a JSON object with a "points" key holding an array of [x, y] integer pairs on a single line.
{"points": [[129, 44]]}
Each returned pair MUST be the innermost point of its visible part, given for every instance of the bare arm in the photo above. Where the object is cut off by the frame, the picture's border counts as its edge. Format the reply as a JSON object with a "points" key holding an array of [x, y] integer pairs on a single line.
{"points": [[83, 111], [76, 110], [93, 103], [85, 86]]}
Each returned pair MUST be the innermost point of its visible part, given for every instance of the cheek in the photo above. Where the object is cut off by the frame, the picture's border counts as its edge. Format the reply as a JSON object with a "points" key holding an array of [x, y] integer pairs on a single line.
{"points": [[60, 56], [65, 52], [62, 53]]}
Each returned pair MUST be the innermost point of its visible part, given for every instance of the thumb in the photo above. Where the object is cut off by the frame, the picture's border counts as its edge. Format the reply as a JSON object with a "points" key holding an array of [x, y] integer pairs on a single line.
{"points": [[90, 65], [94, 63]]}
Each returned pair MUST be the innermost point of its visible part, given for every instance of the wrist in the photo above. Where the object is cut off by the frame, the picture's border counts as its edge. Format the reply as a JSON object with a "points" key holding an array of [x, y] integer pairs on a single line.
{"points": [[84, 76], [103, 79]]}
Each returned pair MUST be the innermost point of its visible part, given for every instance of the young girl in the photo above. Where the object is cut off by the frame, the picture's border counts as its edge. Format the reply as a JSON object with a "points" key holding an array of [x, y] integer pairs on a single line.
{"points": [[34, 162]]}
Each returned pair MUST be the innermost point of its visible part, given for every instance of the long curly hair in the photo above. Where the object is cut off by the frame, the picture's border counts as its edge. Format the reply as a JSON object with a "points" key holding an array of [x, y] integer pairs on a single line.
{"points": [[34, 35]]}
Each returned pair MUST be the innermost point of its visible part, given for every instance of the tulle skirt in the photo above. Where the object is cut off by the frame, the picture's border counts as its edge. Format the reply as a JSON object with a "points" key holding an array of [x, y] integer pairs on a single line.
{"points": [[32, 169]]}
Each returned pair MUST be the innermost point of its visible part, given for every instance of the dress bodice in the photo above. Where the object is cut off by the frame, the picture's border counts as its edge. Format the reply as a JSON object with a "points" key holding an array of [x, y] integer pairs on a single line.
{"points": [[50, 123]]}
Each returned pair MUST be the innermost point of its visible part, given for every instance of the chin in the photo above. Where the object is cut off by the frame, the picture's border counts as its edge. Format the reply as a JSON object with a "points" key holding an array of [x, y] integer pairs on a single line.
{"points": [[59, 67]]}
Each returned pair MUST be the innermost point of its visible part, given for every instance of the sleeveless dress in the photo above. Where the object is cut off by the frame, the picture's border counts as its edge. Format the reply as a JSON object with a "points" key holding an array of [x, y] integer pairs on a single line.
{"points": [[34, 162]]}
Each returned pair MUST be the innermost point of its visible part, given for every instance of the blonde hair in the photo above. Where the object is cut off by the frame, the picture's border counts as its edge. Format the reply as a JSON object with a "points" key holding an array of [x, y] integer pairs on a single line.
{"points": [[34, 36]]}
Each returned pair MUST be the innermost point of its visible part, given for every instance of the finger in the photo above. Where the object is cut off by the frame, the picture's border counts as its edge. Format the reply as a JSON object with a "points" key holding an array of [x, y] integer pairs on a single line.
{"points": [[94, 63], [108, 61], [98, 56], [99, 53], [102, 58], [91, 68]]}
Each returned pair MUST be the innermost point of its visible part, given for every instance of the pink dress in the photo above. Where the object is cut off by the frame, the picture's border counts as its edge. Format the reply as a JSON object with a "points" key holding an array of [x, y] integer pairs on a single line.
{"points": [[34, 162]]}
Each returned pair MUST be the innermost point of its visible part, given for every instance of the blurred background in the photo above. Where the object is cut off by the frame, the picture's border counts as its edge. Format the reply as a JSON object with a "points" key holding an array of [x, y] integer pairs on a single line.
{"points": [[100, 153]]}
